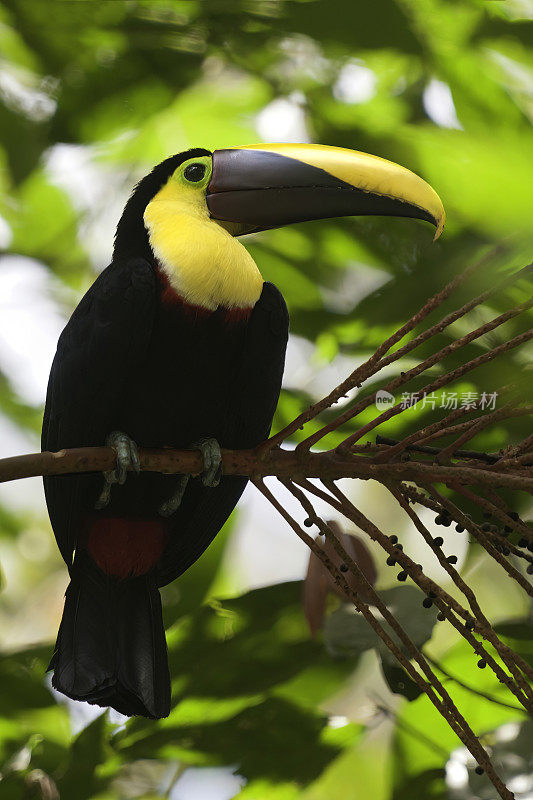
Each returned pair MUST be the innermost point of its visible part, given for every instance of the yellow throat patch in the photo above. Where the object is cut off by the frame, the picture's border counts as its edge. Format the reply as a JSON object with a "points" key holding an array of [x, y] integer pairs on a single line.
{"points": [[204, 264]]}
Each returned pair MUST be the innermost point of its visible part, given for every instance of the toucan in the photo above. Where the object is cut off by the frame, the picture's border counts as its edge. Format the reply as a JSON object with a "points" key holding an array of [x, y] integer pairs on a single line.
{"points": [[179, 343]]}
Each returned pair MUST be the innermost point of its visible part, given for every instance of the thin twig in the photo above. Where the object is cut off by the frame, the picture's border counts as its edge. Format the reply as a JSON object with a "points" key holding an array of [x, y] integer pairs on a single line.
{"points": [[431, 387], [444, 703], [523, 691], [471, 689], [373, 364], [398, 447]]}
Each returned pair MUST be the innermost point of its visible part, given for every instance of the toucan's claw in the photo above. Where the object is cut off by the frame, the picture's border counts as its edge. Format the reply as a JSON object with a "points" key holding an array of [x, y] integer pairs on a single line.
{"points": [[105, 495], [174, 501], [127, 459], [211, 475]]}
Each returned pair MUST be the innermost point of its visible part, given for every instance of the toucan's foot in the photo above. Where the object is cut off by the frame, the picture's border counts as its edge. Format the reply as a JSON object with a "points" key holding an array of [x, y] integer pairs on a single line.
{"points": [[127, 455], [210, 450], [127, 459], [211, 474]]}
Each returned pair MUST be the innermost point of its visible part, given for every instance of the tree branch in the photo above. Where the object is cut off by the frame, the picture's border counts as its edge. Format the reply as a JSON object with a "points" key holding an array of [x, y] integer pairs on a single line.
{"points": [[328, 465]]}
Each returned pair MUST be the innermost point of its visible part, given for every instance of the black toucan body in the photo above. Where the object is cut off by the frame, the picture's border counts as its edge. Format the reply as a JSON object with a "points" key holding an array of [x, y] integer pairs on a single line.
{"points": [[179, 339]]}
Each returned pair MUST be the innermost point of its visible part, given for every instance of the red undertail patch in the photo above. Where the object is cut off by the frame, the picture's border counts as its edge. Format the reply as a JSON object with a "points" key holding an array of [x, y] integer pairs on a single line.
{"points": [[126, 548]]}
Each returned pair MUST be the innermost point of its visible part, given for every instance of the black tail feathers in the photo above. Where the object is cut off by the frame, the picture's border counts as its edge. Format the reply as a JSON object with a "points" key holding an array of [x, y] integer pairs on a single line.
{"points": [[111, 648]]}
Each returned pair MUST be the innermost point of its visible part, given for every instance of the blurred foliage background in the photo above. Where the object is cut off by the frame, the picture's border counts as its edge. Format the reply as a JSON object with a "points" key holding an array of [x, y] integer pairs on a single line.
{"points": [[92, 94]]}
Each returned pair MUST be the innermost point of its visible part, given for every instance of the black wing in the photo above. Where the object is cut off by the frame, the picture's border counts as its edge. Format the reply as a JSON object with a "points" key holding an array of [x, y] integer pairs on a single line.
{"points": [[257, 384], [104, 340]]}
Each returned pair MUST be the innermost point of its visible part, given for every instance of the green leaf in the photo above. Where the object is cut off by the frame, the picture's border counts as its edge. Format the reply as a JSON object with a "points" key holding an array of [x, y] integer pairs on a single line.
{"points": [[44, 226], [423, 739], [249, 741], [363, 770], [34, 729], [88, 751], [356, 635], [516, 634], [344, 24], [254, 698]]}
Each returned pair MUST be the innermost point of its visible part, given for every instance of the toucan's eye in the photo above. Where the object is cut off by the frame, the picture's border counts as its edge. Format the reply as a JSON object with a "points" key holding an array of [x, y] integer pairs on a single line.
{"points": [[194, 172]]}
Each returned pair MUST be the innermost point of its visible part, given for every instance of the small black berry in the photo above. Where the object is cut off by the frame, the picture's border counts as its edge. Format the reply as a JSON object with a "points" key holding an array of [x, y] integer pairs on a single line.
{"points": [[393, 539], [427, 602], [402, 576], [452, 559], [308, 522], [459, 528], [441, 616], [447, 522], [438, 520], [391, 561], [469, 625], [482, 663], [344, 568], [506, 551], [399, 547], [479, 770], [530, 569], [438, 541]]}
